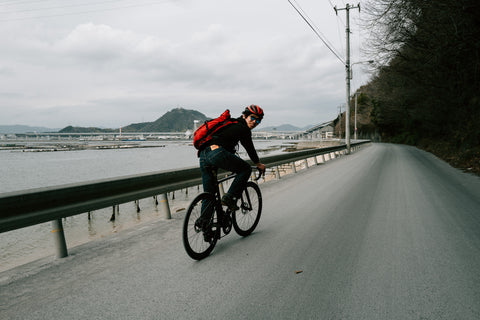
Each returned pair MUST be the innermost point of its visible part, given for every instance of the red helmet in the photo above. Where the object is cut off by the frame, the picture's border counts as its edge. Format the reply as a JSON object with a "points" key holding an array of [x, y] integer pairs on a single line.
{"points": [[254, 109]]}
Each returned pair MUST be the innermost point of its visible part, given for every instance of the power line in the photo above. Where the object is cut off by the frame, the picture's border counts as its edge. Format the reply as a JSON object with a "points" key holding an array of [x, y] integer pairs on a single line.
{"points": [[62, 6], [305, 15], [10, 3], [84, 12], [311, 25]]}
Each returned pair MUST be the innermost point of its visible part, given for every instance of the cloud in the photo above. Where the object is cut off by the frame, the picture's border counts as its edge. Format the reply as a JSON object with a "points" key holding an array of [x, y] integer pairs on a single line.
{"points": [[118, 67], [90, 43]]}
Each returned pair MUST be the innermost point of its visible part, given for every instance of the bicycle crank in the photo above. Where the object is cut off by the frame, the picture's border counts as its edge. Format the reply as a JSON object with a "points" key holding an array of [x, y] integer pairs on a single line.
{"points": [[227, 223]]}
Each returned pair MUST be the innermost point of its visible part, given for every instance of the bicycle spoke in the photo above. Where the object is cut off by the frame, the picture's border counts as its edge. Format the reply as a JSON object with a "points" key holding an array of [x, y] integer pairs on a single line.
{"points": [[246, 219], [194, 239]]}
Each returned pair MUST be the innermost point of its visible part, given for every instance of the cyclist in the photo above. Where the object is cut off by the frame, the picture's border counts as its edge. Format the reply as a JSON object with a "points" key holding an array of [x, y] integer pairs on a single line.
{"points": [[219, 152]]}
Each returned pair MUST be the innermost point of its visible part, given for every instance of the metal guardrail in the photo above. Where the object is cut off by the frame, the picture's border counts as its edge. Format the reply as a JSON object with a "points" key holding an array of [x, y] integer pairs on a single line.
{"points": [[26, 208]]}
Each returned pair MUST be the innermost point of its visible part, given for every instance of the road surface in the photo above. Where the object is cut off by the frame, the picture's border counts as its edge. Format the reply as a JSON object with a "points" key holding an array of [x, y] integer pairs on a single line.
{"points": [[389, 232]]}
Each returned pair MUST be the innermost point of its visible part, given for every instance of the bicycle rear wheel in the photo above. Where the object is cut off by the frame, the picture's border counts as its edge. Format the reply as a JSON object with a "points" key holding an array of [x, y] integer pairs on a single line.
{"points": [[199, 243], [245, 219]]}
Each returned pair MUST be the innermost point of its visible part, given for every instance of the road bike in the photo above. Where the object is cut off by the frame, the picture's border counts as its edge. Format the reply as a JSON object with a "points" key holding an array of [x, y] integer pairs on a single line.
{"points": [[199, 239]]}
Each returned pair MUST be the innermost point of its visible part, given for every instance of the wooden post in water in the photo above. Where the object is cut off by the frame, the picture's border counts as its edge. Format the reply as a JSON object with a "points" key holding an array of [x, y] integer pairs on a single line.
{"points": [[115, 210]]}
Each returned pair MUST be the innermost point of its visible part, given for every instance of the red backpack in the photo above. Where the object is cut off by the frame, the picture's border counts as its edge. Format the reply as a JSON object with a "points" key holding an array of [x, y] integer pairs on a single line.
{"points": [[205, 132]]}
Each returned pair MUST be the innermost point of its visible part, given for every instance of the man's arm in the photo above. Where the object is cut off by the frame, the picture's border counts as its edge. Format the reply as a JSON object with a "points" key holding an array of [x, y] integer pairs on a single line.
{"points": [[247, 143]]}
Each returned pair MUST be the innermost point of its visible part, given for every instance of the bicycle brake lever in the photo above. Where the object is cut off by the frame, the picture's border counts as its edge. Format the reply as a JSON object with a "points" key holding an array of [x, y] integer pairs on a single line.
{"points": [[260, 173]]}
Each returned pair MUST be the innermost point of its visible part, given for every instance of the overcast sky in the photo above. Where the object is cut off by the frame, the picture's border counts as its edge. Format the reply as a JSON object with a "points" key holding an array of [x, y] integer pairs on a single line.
{"points": [[110, 63]]}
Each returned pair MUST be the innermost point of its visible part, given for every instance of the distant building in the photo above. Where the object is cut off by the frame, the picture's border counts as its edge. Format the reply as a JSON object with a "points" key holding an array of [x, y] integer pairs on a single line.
{"points": [[321, 131]]}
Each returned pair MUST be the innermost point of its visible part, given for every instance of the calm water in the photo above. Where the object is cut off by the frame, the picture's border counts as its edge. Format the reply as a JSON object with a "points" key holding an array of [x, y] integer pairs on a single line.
{"points": [[25, 170]]}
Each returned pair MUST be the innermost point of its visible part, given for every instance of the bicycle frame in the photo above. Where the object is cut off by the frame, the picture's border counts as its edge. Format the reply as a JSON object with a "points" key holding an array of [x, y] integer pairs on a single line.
{"points": [[246, 204], [218, 200]]}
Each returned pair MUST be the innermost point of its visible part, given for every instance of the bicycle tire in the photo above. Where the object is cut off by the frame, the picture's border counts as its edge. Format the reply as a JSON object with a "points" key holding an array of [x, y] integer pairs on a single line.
{"points": [[246, 219], [193, 238]]}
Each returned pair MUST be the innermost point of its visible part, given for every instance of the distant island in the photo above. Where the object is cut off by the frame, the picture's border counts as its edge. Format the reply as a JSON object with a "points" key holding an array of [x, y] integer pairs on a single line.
{"points": [[18, 128], [176, 120]]}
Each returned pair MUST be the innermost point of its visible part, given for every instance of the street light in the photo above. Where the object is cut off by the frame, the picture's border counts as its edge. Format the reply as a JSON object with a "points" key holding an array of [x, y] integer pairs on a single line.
{"points": [[359, 62]]}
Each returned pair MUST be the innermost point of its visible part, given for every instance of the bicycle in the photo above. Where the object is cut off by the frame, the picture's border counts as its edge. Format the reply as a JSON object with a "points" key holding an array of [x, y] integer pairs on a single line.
{"points": [[200, 240]]}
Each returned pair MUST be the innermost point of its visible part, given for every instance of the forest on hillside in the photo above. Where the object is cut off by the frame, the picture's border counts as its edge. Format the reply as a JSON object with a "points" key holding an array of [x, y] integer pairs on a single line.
{"points": [[426, 89]]}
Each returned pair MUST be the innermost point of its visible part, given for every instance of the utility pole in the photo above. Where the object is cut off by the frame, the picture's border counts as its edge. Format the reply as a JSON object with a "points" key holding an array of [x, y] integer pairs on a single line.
{"points": [[347, 69]]}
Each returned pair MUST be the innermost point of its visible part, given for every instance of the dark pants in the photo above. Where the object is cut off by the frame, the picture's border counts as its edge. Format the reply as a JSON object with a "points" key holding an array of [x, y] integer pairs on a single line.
{"points": [[221, 158]]}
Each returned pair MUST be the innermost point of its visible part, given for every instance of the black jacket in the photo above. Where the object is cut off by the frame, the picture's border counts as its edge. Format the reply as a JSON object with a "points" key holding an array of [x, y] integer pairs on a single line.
{"points": [[229, 137]]}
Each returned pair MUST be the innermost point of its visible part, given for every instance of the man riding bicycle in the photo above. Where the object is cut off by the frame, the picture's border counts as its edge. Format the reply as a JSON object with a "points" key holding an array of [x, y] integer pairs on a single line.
{"points": [[219, 152]]}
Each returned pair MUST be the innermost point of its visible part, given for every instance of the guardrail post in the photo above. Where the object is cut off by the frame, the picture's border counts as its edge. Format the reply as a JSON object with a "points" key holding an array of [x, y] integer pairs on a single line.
{"points": [[306, 163], [323, 158], [294, 167], [115, 210], [165, 206], [277, 172], [315, 160], [59, 238]]}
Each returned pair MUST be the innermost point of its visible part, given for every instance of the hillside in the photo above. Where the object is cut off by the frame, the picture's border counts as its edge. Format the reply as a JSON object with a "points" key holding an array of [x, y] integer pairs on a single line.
{"points": [[365, 127], [176, 120], [426, 93], [71, 129], [24, 129]]}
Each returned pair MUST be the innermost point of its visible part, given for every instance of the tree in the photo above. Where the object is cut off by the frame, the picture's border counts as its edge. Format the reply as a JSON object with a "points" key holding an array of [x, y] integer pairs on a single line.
{"points": [[428, 81]]}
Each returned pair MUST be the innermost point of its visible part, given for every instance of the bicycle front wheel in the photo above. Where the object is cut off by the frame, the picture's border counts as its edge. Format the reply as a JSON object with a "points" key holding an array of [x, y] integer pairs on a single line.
{"points": [[199, 241], [245, 219]]}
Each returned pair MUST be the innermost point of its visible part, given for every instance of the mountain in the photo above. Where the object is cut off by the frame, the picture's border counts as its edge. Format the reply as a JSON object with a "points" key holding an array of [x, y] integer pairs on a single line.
{"points": [[176, 120], [71, 129], [24, 129]]}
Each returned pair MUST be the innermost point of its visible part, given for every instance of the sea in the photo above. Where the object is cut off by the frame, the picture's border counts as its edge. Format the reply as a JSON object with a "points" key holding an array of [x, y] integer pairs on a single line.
{"points": [[34, 164]]}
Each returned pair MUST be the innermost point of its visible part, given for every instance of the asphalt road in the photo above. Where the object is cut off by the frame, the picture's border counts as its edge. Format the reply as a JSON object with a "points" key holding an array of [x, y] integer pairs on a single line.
{"points": [[389, 232]]}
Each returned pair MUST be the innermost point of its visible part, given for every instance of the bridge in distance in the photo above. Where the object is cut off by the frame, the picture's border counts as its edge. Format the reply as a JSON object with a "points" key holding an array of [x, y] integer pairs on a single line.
{"points": [[388, 232], [144, 135], [323, 130]]}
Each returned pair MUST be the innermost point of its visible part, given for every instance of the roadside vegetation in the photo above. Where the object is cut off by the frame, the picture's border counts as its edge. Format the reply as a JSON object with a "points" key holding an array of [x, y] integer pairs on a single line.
{"points": [[426, 89]]}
